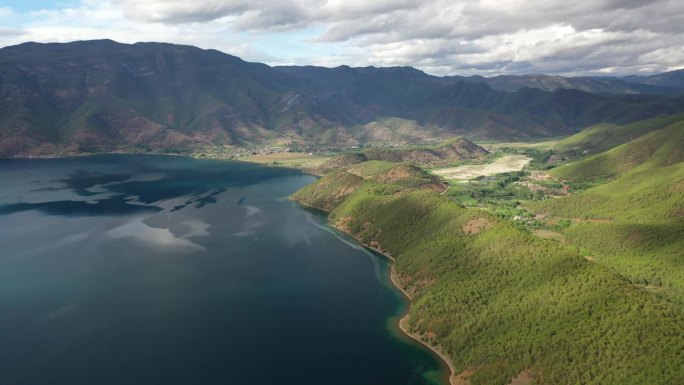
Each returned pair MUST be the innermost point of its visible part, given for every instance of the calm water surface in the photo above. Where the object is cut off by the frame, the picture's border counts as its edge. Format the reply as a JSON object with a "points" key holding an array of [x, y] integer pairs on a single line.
{"points": [[169, 270]]}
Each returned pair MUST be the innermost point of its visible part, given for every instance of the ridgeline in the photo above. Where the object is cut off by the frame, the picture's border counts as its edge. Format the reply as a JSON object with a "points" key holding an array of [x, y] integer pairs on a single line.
{"points": [[103, 96]]}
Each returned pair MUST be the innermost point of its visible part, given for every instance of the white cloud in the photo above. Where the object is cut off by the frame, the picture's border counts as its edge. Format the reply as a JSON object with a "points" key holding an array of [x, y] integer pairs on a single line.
{"points": [[438, 36]]}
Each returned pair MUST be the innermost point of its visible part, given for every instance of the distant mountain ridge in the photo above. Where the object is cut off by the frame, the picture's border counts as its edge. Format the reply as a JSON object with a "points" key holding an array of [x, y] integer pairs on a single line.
{"points": [[93, 96], [626, 85], [667, 79]]}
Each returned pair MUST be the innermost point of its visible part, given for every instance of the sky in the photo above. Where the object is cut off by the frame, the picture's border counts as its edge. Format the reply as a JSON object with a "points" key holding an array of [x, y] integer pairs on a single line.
{"points": [[440, 37]]}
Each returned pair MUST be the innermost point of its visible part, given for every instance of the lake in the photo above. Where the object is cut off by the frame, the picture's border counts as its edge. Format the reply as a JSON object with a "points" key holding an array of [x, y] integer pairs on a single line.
{"points": [[145, 269]]}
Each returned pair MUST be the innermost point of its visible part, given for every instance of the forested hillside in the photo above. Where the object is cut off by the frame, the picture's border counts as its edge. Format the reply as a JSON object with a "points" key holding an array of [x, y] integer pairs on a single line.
{"points": [[499, 301], [603, 137], [654, 149], [633, 221]]}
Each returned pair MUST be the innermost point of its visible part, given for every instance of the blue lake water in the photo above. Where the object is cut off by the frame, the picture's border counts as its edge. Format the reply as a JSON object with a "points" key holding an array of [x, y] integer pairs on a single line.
{"points": [[126, 269]]}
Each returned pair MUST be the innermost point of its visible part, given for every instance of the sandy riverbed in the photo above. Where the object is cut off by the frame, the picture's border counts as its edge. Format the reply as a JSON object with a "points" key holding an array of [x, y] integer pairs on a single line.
{"points": [[506, 163]]}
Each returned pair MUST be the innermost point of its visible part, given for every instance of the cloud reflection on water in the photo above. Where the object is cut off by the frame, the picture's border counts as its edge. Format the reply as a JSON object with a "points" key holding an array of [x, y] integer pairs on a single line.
{"points": [[161, 237]]}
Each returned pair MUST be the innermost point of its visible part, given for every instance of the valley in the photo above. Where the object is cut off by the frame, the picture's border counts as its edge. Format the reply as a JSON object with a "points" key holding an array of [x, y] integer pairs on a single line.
{"points": [[304, 161], [581, 253], [503, 164], [534, 222]]}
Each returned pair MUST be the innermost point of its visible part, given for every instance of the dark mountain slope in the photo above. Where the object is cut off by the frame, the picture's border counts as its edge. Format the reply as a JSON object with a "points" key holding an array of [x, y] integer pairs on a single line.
{"points": [[474, 108], [102, 96], [607, 85], [666, 79]]}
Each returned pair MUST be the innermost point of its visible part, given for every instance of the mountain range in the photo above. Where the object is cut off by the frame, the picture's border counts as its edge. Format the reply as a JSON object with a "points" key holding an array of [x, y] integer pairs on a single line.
{"points": [[94, 96], [670, 83]]}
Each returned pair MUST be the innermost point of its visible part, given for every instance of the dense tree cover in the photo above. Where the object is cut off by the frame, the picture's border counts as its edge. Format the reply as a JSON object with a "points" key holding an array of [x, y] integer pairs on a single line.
{"points": [[658, 148], [500, 189], [498, 300], [634, 223], [646, 254], [336, 186], [371, 167], [329, 191], [649, 196], [605, 136]]}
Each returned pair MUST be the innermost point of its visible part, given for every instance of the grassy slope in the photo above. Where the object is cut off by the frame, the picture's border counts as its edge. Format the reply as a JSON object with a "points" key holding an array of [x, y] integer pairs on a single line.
{"points": [[658, 148], [644, 242], [604, 136], [640, 196], [499, 301], [328, 192], [642, 235], [643, 239]]}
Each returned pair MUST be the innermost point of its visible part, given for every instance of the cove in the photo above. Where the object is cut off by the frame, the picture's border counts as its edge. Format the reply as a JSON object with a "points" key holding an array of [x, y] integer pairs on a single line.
{"points": [[147, 269]]}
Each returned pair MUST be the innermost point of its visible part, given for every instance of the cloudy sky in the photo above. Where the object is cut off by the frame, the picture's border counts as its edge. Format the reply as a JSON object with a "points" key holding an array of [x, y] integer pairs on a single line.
{"points": [[442, 37]]}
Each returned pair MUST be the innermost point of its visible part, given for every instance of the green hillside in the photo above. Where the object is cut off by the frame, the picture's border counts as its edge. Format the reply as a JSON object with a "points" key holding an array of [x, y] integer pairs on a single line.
{"points": [[329, 192], [646, 196], [656, 148], [603, 137], [636, 227], [499, 301], [634, 221]]}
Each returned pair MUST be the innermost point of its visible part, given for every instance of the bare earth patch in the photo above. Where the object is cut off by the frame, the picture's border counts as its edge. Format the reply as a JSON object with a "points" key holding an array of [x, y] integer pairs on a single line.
{"points": [[343, 224], [476, 225], [462, 378], [524, 378], [506, 163]]}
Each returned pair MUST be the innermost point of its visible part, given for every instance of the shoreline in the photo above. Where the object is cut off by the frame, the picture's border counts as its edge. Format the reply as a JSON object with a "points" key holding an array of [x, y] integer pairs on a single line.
{"points": [[451, 375], [83, 155], [87, 154], [401, 324], [446, 360]]}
